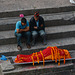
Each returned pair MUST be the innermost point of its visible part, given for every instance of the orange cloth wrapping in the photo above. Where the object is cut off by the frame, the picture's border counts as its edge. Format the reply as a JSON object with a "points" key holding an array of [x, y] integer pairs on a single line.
{"points": [[50, 53]]}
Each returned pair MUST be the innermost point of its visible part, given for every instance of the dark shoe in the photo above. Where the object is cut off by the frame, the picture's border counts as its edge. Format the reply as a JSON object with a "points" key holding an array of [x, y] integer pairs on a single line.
{"points": [[33, 43], [28, 46], [19, 48], [44, 40]]}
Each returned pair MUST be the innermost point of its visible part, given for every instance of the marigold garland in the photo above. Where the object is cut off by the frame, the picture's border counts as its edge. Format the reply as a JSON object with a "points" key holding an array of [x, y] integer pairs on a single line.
{"points": [[32, 59], [37, 58], [43, 58], [50, 53]]}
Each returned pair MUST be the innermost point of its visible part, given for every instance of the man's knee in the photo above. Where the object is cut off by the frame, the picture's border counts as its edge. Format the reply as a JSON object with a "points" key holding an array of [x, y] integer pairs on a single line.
{"points": [[34, 34], [18, 35], [42, 33], [28, 33]]}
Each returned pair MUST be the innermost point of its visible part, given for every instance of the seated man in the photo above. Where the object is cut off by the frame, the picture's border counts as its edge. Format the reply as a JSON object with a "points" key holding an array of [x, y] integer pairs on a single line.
{"points": [[37, 26], [22, 29]]}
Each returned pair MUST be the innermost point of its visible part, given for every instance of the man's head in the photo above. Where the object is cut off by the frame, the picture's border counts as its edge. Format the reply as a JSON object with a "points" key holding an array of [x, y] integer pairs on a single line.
{"points": [[23, 21], [36, 16]]}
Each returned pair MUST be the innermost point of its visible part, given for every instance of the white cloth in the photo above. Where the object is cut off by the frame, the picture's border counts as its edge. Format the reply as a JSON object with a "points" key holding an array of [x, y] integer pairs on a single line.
{"points": [[71, 1]]}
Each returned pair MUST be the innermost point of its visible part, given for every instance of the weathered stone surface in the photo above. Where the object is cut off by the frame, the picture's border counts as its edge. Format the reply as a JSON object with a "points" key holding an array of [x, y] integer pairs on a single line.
{"points": [[27, 4], [12, 8], [1, 71], [38, 70], [6, 65], [11, 49], [68, 72], [56, 19], [15, 7], [8, 37]]}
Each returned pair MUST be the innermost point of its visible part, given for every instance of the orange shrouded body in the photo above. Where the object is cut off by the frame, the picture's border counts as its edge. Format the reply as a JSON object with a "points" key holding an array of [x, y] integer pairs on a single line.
{"points": [[50, 53]]}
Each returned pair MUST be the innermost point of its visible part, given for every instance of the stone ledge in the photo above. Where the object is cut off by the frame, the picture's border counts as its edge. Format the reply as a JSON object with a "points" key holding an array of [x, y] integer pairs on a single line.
{"points": [[56, 19], [1, 72], [39, 69]]}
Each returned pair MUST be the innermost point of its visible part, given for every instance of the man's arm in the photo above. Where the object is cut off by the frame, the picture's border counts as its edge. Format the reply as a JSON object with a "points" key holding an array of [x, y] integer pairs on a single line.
{"points": [[18, 30], [42, 26], [23, 30], [31, 24]]}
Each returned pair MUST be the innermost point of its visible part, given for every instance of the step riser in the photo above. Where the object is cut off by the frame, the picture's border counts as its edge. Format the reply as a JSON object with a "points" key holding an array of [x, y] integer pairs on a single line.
{"points": [[42, 11], [14, 53], [69, 72], [49, 23], [41, 71], [48, 37], [7, 27]]}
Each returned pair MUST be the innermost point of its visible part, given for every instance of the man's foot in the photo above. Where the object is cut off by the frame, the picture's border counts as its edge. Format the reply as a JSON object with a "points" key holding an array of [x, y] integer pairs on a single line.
{"points": [[19, 47], [28, 46], [33, 43]]}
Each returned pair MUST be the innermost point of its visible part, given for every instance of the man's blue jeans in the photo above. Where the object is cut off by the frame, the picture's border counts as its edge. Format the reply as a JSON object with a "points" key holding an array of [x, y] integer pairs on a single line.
{"points": [[41, 33], [24, 34]]}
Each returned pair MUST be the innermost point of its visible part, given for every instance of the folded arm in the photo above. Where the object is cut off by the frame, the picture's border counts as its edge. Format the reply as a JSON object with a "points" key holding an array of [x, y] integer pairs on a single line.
{"points": [[23, 30]]}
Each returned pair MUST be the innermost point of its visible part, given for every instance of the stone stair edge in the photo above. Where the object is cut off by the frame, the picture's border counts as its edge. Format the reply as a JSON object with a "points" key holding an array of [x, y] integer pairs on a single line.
{"points": [[45, 16], [8, 37], [44, 70], [69, 72], [49, 30], [48, 23], [50, 20], [11, 49], [42, 14], [45, 10]]}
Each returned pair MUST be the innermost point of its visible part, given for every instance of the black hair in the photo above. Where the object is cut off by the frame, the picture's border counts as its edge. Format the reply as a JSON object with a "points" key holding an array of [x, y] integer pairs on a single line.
{"points": [[23, 20]]}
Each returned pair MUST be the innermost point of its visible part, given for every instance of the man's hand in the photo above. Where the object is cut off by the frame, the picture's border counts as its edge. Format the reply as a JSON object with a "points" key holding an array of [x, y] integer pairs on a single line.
{"points": [[18, 31], [35, 27]]}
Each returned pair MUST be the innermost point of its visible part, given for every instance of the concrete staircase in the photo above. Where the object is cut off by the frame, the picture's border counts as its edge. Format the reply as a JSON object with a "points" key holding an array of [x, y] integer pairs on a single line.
{"points": [[60, 29]]}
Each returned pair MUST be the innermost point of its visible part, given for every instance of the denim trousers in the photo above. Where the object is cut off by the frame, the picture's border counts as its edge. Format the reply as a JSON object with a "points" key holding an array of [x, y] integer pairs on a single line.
{"points": [[23, 34], [41, 33]]}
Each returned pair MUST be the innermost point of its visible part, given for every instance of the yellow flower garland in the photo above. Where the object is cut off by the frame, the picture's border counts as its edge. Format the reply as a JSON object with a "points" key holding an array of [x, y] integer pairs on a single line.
{"points": [[37, 58], [43, 58], [54, 56], [32, 59]]}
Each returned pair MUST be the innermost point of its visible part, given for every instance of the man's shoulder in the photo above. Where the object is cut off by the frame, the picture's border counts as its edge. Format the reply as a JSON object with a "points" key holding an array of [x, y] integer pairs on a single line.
{"points": [[19, 22], [32, 18], [40, 17], [27, 23]]}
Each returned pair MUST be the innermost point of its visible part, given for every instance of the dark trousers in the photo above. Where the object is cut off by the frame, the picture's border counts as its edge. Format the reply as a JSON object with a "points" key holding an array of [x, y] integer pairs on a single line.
{"points": [[24, 34], [41, 33]]}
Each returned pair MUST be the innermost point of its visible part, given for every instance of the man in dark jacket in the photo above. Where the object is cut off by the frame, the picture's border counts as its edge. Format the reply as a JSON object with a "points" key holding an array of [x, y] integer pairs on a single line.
{"points": [[37, 26]]}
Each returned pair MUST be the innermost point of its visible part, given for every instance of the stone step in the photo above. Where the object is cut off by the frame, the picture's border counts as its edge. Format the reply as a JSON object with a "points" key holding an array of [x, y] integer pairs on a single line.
{"points": [[63, 43], [8, 37], [43, 10], [55, 19], [38, 70], [66, 72]]}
